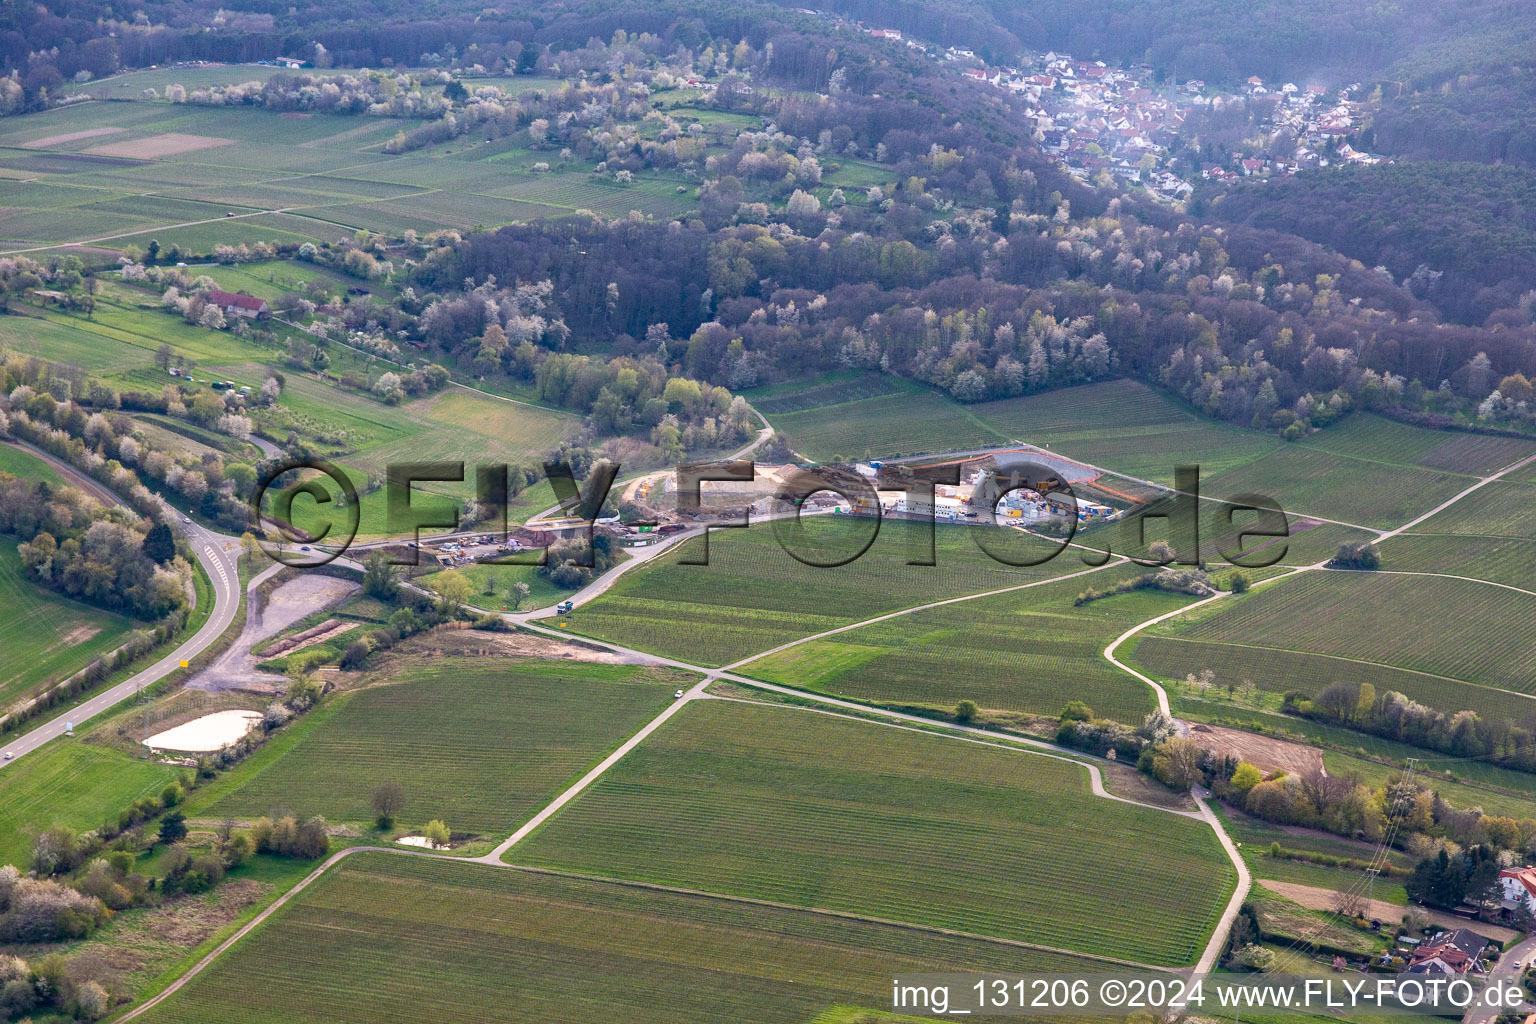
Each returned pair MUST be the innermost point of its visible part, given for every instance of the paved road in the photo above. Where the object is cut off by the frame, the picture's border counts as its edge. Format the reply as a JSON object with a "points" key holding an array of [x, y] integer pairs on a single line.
{"points": [[1506, 972], [217, 554]]}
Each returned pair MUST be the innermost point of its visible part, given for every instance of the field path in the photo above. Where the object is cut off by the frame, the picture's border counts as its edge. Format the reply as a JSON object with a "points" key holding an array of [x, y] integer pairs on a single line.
{"points": [[1206, 961], [1213, 949], [550, 809]]}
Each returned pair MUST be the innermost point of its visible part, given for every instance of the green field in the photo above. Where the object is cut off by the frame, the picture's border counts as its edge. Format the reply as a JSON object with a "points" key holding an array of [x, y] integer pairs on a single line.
{"points": [[1324, 627], [1028, 651], [753, 595], [1373, 438], [1305, 481], [326, 173], [479, 744], [1499, 509], [1125, 426], [541, 591], [18, 462], [45, 635], [1510, 560], [1121, 425], [389, 939], [910, 421], [1482, 634], [1174, 657], [69, 783], [804, 808]]}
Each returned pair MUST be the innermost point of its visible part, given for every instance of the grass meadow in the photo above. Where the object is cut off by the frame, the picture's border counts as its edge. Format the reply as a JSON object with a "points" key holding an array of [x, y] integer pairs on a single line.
{"points": [[813, 810], [69, 783], [45, 636], [479, 744], [392, 939]]}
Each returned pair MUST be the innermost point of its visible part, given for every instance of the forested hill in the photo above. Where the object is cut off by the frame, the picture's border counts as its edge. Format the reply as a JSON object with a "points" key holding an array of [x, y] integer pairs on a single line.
{"points": [[1332, 40], [1471, 226]]}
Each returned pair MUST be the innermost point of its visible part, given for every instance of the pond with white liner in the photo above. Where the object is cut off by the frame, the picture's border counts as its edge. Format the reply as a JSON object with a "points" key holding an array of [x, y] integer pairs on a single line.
{"points": [[206, 734]]}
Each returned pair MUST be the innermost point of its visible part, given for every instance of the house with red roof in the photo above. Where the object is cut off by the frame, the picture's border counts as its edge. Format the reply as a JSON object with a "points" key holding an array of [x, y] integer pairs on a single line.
{"points": [[1452, 952], [1519, 885], [237, 304]]}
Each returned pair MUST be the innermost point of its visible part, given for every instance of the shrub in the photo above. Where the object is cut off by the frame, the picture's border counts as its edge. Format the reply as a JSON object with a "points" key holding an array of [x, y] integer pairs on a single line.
{"points": [[436, 832], [966, 711], [1361, 555]]}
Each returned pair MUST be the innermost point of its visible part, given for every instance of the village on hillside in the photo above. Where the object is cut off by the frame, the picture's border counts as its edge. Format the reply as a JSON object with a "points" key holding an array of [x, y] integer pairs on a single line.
{"points": [[1109, 124]]}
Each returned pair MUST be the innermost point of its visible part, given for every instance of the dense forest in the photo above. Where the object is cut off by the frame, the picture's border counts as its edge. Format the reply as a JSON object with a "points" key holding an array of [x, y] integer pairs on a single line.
{"points": [[1460, 235]]}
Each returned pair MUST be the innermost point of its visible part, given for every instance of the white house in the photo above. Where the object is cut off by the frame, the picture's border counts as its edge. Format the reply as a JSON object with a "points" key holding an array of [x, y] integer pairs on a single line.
{"points": [[1519, 885]]}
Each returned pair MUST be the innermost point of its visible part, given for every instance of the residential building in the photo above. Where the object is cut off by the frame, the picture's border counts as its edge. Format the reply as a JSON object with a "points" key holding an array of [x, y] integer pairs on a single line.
{"points": [[236, 304]]}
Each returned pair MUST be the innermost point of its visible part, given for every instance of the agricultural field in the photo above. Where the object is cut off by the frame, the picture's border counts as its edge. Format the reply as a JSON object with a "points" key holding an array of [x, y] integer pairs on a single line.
{"points": [[390, 939], [117, 174], [1499, 509], [1376, 439], [70, 783], [753, 594], [1482, 633], [45, 636], [1277, 671], [1507, 560], [911, 421], [480, 745], [129, 86], [1305, 481], [827, 389], [1127, 427], [455, 426], [742, 799], [1028, 651]]}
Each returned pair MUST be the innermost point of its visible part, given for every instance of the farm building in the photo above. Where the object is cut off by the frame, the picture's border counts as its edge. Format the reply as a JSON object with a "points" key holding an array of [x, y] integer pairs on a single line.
{"points": [[236, 304]]}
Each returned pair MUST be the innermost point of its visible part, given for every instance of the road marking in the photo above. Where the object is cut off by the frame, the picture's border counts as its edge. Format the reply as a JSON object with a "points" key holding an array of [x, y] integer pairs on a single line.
{"points": [[216, 563]]}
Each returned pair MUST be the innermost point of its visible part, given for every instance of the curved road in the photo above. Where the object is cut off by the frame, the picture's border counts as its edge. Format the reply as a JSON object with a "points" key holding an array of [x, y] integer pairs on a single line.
{"points": [[216, 553]]}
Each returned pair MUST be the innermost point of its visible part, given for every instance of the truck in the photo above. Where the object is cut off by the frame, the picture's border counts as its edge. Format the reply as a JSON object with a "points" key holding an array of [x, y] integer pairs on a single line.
{"points": [[565, 606]]}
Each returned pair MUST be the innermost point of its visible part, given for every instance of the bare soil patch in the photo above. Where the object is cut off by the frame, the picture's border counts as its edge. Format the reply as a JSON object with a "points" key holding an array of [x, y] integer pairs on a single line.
{"points": [[235, 669], [474, 643], [1315, 898], [59, 140], [1264, 752], [75, 637], [156, 146]]}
